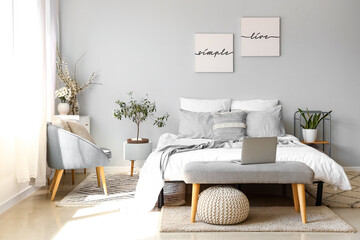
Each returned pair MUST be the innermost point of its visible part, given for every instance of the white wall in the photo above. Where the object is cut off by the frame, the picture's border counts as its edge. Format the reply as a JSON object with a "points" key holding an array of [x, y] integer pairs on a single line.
{"points": [[148, 46]]}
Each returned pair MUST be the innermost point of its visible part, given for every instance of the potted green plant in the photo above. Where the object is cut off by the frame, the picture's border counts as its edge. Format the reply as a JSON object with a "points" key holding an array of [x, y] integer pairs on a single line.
{"points": [[312, 120], [138, 111]]}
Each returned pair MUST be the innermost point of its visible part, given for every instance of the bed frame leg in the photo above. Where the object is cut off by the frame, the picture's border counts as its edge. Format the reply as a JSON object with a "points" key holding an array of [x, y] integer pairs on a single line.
{"points": [[161, 198], [319, 193]]}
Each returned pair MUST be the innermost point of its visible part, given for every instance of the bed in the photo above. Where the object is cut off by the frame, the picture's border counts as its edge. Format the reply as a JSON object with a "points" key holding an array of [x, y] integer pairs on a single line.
{"points": [[173, 152]]}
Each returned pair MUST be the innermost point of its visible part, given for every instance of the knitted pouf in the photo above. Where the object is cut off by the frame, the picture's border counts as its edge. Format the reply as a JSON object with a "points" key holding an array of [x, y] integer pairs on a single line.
{"points": [[223, 205]]}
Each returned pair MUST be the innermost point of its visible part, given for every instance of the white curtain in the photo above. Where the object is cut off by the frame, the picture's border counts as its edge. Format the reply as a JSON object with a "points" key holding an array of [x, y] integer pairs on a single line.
{"points": [[24, 87]]}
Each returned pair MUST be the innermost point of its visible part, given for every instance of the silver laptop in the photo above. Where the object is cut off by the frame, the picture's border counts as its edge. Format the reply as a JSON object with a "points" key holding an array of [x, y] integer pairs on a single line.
{"points": [[259, 150]]}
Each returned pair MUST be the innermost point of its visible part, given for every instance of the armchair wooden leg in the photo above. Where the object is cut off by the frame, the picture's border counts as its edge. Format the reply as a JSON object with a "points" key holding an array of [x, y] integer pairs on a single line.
{"points": [[57, 181], [295, 197], [301, 192], [53, 181], [103, 179], [98, 176], [194, 201], [84, 170], [73, 176]]}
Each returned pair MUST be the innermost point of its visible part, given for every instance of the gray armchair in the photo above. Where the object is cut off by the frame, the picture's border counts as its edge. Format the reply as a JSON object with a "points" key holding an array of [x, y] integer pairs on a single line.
{"points": [[66, 150]]}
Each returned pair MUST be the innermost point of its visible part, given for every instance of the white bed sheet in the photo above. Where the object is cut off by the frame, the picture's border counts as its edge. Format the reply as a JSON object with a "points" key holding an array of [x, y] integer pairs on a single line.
{"points": [[151, 181]]}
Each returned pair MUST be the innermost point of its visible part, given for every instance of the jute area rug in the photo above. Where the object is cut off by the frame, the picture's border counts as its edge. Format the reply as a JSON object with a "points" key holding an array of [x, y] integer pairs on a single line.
{"points": [[261, 219], [339, 198]]}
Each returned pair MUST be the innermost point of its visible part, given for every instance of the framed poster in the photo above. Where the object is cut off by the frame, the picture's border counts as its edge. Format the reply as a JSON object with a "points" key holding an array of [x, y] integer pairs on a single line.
{"points": [[214, 53], [260, 36]]}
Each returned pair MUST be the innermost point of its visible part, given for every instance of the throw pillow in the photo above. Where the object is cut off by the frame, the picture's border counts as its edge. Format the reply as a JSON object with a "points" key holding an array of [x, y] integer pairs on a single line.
{"points": [[266, 123], [229, 126], [195, 124], [58, 122], [79, 129]]}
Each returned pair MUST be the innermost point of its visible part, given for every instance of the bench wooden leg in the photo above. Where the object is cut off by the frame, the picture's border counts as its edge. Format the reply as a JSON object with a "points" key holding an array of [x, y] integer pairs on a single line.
{"points": [[301, 193], [295, 197], [194, 201]]}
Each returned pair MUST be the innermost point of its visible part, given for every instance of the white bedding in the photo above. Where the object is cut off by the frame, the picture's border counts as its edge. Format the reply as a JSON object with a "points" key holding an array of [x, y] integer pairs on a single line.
{"points": [[289, 149]]}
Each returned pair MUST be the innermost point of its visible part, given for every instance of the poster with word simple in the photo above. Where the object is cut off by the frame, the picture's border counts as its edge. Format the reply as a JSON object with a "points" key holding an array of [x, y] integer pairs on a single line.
{"points": [[260, 36], [214, 53]]}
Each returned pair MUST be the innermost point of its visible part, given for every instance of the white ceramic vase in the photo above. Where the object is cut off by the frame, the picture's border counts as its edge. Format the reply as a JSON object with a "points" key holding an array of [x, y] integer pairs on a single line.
{"points": [[63, 108], [309, 135]]}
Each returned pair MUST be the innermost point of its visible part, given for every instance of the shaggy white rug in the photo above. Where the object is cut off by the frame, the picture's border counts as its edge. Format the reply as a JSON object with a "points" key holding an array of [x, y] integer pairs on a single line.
{"points": [[261, 219]]}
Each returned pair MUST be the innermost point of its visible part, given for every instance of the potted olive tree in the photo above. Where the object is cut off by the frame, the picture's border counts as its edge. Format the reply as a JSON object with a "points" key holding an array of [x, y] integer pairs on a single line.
{"points": [[312, 120], [138, 111]]}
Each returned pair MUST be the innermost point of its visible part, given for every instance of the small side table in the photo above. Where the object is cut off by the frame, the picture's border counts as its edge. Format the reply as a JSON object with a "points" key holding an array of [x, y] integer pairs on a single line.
{"points": [[136, 151]]}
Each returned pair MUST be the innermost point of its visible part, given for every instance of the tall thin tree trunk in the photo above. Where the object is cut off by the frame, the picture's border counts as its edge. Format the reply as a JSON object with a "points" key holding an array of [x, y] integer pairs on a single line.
{"points": [[138, 130]]}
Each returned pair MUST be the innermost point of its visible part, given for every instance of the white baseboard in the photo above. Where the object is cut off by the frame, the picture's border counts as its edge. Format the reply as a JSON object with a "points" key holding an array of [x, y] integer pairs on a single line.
{"points": [[17, 198], [352, 169]]}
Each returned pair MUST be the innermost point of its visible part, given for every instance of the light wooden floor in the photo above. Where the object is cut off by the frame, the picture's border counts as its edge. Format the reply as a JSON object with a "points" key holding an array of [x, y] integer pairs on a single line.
{"points": [[37, 218]]}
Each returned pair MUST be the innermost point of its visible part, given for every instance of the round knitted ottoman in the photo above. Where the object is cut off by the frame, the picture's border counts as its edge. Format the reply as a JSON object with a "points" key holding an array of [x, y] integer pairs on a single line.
{"points": [[222, 205]]}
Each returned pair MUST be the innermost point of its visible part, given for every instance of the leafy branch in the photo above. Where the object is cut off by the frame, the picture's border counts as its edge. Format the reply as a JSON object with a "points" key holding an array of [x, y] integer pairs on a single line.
{"points": [[71, 82], [138, 111]]}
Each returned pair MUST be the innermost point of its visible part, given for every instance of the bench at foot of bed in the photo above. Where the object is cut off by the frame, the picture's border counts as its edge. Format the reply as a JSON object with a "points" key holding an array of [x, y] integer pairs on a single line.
{"points": [[224, 172]]}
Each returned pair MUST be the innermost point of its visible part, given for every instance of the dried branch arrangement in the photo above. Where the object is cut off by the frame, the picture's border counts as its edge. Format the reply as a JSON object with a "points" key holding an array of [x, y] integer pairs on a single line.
{"points": [[71, 81]]}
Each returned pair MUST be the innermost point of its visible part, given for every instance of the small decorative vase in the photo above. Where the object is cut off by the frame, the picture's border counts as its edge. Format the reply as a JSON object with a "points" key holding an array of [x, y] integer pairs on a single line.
{"points": [[63, 108], [309, 135]]}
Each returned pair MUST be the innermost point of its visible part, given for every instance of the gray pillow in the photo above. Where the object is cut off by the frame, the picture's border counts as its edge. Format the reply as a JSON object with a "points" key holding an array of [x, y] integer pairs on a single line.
{"points": [[229, 126], [267, 123], [195, 124]]}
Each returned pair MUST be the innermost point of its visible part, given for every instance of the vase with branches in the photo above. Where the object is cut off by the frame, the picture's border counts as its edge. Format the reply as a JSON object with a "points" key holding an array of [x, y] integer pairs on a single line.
{"points": [[71, 82], [138, 111]]}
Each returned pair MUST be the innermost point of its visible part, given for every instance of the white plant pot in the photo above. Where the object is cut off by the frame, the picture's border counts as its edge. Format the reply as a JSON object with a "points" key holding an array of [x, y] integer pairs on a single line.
{"points": [[63, 108], [309, 135]]}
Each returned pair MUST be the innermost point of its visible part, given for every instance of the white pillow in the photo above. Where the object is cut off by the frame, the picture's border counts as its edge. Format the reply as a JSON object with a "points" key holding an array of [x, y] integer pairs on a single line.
{"points": [[267, 123], [253, 105], [199, 105]]}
